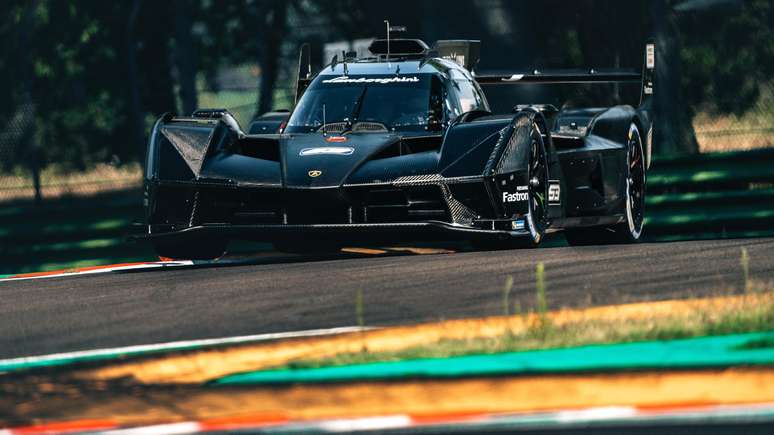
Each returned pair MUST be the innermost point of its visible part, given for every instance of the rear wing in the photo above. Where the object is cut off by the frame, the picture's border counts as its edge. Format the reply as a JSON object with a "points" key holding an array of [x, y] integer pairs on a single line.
{"points": [[646, 78]]}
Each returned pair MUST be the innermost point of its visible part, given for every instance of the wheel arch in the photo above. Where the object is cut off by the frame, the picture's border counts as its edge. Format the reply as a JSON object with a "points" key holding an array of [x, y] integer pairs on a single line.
{"points": [[555, 173]]}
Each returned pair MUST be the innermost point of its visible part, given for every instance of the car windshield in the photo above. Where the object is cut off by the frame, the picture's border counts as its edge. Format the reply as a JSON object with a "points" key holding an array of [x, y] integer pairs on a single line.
{"points": [[401, 103]]}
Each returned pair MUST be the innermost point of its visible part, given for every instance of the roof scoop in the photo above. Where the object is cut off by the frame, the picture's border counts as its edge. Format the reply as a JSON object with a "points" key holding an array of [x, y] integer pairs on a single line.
{"points": [[399, 47]]}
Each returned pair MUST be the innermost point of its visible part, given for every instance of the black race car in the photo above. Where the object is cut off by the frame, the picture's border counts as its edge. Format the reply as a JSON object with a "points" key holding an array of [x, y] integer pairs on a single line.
{"points": [[402, 146]]}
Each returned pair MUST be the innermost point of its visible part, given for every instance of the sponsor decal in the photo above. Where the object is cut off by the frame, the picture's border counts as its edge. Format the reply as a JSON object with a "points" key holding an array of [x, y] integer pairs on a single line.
{"points": [[554, 192], [314, 173], [377, 80], [650, 56], [336, 151], [515, 197]]}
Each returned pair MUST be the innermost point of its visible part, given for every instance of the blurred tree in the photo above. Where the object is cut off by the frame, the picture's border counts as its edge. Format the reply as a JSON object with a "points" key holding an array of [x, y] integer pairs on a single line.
{"points": [[723, 69], [155, 32], [185, 54], [270, 40], [674, 133], [132, 78], [87, 77], [28, 139]]}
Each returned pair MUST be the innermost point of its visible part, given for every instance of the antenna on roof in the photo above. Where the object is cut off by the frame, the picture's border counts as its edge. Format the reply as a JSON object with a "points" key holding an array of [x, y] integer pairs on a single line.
{"points": [[387, 22], [391, 29]]}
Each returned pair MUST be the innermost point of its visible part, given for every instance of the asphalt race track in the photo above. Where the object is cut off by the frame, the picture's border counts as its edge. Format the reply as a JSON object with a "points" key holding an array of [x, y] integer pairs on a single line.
{"points": [[44, 316]]}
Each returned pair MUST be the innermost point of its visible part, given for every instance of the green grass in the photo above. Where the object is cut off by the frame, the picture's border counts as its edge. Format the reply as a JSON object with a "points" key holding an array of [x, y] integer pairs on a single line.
{"points": [[703, 199], [709, 217], [751, 317], [715, 176], [763, 343], [74, 225]]}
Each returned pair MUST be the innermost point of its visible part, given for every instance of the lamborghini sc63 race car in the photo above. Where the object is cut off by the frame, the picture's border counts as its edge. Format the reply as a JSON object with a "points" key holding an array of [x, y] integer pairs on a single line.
{"points": [[402, 146]]}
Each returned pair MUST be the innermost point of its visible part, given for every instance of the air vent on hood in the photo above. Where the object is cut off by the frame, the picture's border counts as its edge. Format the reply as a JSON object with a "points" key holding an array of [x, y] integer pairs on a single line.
{"points": [[410, 145], [369, 127], [258, 147]]}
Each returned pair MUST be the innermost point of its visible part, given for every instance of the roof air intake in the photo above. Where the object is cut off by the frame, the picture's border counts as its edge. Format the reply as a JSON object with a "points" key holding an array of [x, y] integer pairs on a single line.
{"points": [[399, 47]]}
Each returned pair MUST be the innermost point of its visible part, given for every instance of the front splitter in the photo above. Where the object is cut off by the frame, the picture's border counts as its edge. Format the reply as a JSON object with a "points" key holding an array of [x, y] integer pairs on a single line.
{"points": [[385, 232]]}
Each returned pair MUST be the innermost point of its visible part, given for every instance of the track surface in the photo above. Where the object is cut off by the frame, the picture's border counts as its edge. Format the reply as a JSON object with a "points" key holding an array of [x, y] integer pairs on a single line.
{"points": [[283, 294]]}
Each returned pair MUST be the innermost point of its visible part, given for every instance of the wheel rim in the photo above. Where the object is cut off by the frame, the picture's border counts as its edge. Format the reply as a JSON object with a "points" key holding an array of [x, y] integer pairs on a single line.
{"points": [[538, 187], [635, 184]]}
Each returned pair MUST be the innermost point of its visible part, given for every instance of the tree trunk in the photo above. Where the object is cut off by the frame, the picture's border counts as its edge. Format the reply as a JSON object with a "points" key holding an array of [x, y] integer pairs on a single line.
{"points": [[185, 55], [673, 131], [133, 85], [272, 45], [28, 137]]}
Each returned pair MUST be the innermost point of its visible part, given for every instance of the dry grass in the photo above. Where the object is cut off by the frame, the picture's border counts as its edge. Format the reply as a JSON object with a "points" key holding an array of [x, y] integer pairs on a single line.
{"points": [[753, 129], [754, 311], [55, 183]]}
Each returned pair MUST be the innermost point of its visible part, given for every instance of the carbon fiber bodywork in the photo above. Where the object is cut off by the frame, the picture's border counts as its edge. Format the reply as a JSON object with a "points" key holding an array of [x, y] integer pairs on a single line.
{"points": [[368, 186], [467, 176]]}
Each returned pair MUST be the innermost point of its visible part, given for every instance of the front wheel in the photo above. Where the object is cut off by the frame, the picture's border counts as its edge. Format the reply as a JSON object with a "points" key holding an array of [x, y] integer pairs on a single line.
{"points": [[537, 216], [536, 219], [630, 230]]}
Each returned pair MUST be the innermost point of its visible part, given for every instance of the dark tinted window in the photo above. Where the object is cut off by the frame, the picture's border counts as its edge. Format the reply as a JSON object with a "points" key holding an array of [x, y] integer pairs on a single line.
{"points": [[399, 102]]}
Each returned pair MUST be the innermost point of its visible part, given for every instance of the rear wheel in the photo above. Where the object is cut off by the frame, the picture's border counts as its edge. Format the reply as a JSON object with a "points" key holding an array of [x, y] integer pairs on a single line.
{"points": [[630, 230], [200, 249]]}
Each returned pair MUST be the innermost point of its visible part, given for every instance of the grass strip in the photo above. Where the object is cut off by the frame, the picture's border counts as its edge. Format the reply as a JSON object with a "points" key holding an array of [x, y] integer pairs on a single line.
{"points": [[692, 353], [563, 328], [755, 314]]}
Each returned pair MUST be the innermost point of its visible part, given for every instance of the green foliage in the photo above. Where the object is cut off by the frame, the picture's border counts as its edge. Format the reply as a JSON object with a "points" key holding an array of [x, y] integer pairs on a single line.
{"points": [[70, 93], [74, 69], [724, 68]]}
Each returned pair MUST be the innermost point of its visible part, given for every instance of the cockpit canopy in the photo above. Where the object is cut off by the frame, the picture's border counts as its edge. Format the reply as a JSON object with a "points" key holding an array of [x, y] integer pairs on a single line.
{"points": [[408, 96]]}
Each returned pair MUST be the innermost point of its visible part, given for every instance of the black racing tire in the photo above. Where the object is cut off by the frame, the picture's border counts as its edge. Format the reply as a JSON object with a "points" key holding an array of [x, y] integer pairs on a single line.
{"points": [[200, 249], [629, 231], [537, 217]]}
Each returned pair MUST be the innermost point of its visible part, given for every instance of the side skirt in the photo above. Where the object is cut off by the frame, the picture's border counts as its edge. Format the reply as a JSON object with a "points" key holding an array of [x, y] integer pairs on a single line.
{"points": [[587, 221]]}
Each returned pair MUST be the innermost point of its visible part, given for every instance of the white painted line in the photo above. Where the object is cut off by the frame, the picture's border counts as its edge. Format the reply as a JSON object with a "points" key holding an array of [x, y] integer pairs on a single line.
{"points": [[9, 364], [149, 265], [366, 423], [159, 429], [593, 414]]}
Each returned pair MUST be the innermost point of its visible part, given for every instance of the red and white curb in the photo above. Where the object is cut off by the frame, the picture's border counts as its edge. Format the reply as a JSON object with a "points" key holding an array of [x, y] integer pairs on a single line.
{"points": [[168, 263], [268, 423], [97, 269]]}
